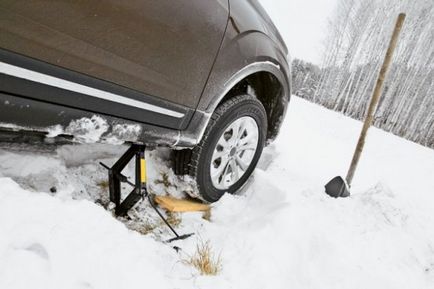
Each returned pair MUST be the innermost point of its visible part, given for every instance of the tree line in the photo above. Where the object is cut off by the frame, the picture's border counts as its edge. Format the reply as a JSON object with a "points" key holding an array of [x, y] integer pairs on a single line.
{"points": [[357, 39]]}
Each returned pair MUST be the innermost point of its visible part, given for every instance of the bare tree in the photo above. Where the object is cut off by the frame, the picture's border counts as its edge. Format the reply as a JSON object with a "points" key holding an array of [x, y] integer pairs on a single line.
{"points": [[356, 43]]}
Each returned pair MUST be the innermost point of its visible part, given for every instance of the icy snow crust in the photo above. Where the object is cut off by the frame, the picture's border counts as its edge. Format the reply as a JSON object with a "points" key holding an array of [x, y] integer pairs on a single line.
{"points": [[281, 231]]}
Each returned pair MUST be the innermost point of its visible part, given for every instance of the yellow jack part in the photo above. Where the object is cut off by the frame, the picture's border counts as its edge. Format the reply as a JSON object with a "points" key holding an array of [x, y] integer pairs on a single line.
{"points": [[143, 170]]}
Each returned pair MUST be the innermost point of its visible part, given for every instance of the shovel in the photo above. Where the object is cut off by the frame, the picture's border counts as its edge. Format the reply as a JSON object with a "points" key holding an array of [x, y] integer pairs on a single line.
{"points": [[339, 187]]}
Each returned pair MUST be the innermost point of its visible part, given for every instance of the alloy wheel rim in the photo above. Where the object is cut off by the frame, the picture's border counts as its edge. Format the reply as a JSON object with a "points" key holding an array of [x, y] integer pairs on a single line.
{"points": [[234, 152]]}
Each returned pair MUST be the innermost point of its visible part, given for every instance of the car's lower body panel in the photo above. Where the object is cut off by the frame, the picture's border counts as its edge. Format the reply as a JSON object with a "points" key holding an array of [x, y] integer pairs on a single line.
{"points": [[21, 116], [25, 119]]}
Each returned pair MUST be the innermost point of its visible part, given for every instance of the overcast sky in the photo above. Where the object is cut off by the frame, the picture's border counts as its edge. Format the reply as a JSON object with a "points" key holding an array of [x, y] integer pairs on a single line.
{"points": [[302, 23]]}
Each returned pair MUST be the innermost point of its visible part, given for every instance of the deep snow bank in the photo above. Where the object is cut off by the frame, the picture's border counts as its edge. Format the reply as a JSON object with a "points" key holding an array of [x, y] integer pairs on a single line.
{"points": [[50, 243]]}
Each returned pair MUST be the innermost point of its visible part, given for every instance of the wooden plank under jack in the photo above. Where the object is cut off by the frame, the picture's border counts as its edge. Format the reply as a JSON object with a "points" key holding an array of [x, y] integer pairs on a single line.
{"points": [[180, 205]]}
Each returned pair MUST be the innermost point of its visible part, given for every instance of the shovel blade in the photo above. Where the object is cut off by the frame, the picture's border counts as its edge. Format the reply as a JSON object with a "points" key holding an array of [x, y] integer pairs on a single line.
{"points": [[337, 188]]}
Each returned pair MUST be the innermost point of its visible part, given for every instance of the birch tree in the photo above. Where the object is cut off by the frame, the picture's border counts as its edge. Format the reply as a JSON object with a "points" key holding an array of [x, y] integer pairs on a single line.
{"points": [[358, 34]]}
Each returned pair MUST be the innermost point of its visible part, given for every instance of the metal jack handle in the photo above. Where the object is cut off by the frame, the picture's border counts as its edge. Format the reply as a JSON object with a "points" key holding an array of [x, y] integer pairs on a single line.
{"points": [[139, 192], [178, 237]]}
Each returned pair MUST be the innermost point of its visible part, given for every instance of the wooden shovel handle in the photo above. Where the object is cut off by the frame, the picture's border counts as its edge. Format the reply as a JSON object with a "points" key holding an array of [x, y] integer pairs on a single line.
{"points": [[375, 97]]}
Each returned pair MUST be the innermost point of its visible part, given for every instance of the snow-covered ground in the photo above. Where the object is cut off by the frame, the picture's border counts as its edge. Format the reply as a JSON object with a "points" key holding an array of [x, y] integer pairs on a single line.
{"points": [[282, 231]]}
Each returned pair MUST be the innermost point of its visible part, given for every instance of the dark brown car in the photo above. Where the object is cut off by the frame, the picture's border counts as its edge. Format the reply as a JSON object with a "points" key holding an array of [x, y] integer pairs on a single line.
{"points": [[209, 78]]}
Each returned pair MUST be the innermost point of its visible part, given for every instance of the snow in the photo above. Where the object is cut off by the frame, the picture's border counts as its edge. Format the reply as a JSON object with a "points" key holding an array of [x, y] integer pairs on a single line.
{"points": [[88, 130], [43, 247], [281, 231], [85, 130]]}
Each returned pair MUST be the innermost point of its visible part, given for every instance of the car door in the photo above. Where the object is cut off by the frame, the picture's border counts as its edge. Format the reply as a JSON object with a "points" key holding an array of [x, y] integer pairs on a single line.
{"points": [[157, 54]]}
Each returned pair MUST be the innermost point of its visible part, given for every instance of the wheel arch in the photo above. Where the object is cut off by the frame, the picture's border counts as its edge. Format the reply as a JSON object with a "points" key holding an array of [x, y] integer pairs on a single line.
{"points": [[269, 91], [250, 57]]}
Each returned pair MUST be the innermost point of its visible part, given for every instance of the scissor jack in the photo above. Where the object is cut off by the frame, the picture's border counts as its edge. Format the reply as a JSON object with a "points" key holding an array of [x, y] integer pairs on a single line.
{"points": [[139, 191]]}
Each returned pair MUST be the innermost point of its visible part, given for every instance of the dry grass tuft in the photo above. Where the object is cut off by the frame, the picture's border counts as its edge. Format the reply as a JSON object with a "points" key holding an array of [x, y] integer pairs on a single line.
{"points": [[207, 215], [204, 260], [164, 180], [104, 184], [173, 219], [145, 228]]}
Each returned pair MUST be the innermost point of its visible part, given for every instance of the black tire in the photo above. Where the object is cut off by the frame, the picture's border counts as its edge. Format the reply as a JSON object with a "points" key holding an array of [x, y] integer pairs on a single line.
{"points": [[196, 162]]}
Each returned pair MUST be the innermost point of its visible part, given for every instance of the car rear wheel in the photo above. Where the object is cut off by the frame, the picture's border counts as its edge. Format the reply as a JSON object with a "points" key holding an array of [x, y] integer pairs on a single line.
{"points": [[229, 150]]}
